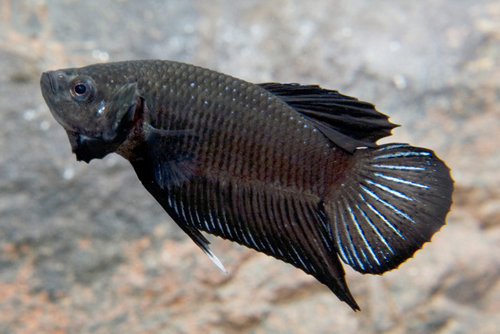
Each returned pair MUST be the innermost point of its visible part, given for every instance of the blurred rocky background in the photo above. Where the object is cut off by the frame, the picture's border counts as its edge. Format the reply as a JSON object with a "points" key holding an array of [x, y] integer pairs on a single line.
{"points": [[85, 249]]}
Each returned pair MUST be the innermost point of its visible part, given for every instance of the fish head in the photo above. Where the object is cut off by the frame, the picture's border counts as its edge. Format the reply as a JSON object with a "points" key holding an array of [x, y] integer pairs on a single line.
{"points": [[96, 110]]}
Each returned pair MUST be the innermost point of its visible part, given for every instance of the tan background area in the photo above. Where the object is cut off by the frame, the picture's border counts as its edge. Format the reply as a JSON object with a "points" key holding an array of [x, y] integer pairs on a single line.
{"points": [[85, 249]]}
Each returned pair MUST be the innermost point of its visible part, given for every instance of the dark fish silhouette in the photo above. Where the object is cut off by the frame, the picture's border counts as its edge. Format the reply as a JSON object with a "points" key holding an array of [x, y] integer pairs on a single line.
{"points": [[289, 170]]}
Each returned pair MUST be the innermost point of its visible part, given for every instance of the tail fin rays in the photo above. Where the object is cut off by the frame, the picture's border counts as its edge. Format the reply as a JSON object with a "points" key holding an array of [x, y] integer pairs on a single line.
{"points": [[398, 199]]}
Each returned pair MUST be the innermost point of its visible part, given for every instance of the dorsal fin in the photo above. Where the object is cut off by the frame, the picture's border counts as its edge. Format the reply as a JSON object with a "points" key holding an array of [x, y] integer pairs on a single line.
{"points": [[345, 120]]}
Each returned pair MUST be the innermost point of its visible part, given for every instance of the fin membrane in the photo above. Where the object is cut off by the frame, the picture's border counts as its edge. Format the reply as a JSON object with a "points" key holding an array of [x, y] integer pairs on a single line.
{"points": [[203, 243], [172, 163], [285, 226], [346, 121], [161, 194], [395, 203]]}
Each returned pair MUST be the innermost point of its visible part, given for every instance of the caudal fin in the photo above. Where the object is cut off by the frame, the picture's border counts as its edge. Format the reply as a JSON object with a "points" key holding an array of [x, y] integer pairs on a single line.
{"points": [[394, 202]]}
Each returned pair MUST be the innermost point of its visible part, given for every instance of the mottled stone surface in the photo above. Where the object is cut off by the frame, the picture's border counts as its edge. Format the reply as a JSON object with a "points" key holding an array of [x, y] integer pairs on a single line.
{"points": [[85, 249]]}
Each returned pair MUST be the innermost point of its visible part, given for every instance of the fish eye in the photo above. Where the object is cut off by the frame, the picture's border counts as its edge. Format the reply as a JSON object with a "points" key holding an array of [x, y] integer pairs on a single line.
{"points": [[82, 89]]}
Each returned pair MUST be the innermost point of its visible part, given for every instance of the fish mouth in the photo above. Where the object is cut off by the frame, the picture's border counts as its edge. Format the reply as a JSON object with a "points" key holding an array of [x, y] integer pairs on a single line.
{"points": [[49, 85], [48, 81]]}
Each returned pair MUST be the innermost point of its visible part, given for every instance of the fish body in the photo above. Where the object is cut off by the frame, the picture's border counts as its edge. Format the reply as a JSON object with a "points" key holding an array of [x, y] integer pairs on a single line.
{"points": [[289, 170]]}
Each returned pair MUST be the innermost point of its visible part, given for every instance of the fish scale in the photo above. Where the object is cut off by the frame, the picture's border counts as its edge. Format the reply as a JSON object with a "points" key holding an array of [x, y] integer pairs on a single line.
{"points": [[293, 171]]}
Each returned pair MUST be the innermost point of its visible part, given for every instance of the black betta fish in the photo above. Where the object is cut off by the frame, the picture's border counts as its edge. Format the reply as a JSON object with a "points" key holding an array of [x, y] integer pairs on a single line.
{"points": [[289, 170]]}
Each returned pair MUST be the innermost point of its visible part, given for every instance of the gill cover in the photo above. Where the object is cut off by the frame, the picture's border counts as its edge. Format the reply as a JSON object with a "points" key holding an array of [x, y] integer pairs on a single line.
{"points": [[116, 120]]}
